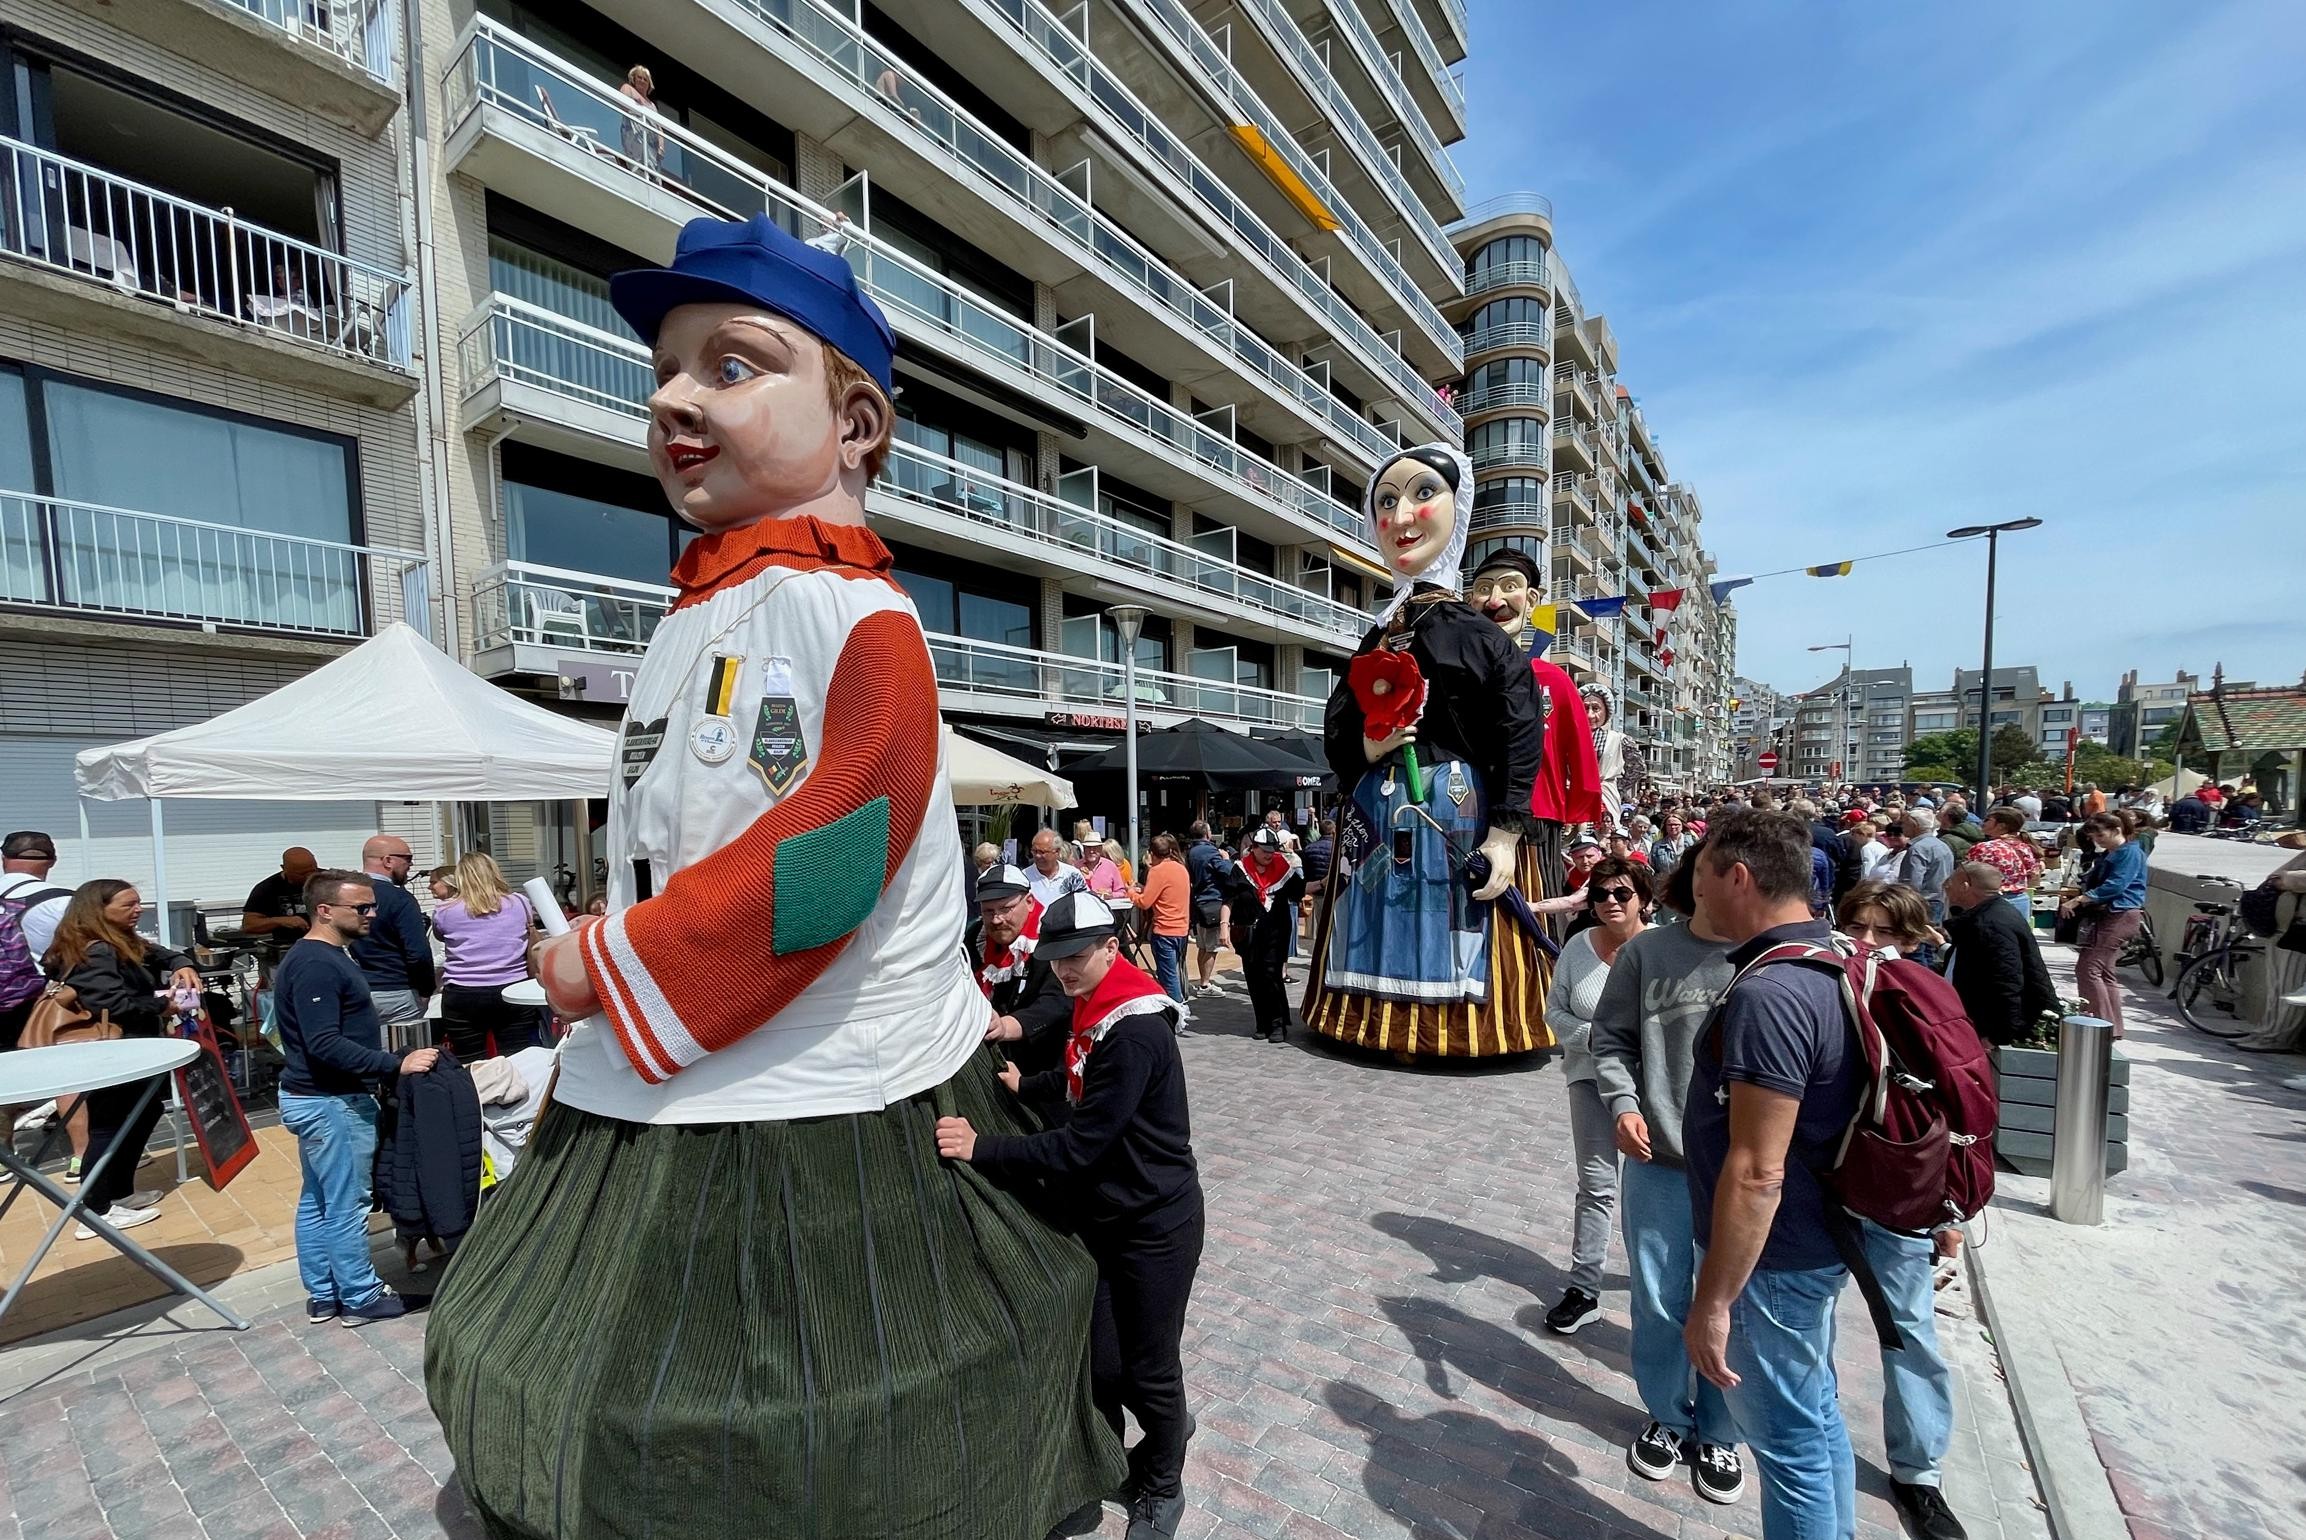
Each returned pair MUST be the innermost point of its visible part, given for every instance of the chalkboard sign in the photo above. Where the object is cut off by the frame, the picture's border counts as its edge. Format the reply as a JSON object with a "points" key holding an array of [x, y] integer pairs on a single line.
{"points": [[221, 1129]]}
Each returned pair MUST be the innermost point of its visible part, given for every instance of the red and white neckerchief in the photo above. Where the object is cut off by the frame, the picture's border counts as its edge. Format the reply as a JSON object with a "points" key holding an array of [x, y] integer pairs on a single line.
{"points": [[1011, 961], [1128, 990], [1265, 882]]}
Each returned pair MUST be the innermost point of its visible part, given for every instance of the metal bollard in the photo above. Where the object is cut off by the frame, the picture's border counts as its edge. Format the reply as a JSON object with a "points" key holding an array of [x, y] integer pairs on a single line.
{"points": [[2078, 1122]]}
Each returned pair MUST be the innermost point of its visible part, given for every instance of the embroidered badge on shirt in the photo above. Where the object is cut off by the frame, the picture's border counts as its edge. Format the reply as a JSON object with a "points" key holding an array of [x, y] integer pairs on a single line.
{"points": [[1457, 788], [713, 740], [779, 753], [638, 748]]}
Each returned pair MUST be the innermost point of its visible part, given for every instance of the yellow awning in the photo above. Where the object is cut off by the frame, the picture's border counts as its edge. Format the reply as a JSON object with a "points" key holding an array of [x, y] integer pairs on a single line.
{"points": [[1284, 176], [1348, 557]]}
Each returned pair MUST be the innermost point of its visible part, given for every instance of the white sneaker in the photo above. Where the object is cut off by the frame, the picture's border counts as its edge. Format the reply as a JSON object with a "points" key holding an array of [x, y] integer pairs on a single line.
{"points": [[119, 1219], [39, 1117], [143, 1199]]}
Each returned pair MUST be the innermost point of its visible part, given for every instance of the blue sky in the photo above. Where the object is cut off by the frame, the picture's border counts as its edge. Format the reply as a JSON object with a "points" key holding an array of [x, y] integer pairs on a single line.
{"points": [[1877, 271]]}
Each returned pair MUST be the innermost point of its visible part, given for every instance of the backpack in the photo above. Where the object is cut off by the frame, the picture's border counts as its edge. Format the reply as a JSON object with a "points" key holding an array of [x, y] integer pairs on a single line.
{"points": [[20, 975], [1920, 1150], [2260, 909]]}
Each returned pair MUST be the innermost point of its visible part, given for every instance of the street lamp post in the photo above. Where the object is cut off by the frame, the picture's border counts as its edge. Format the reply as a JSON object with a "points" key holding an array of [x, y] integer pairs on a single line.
{"points": [[1993, 534], [1129, 619], [1842, 705]]}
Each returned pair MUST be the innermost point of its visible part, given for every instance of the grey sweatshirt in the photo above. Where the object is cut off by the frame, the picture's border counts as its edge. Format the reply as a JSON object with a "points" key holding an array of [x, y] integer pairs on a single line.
{"points": [[1662, 986]]}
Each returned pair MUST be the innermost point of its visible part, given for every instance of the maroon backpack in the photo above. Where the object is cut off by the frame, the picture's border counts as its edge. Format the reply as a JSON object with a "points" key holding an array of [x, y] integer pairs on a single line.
{"points": [[1920, 1151]]}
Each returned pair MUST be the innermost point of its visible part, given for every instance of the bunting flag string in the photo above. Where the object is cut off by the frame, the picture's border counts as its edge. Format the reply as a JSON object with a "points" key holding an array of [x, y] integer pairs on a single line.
{"points": [[1667, 599], [1544, 621]]}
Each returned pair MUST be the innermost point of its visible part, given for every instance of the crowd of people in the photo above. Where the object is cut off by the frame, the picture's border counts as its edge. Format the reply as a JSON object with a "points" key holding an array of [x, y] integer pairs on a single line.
{"points": [[356, 965]]}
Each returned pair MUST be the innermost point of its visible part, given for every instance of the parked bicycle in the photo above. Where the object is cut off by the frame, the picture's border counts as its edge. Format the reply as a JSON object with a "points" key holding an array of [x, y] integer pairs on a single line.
{"points": [[2143, 952], [2214, 959]]}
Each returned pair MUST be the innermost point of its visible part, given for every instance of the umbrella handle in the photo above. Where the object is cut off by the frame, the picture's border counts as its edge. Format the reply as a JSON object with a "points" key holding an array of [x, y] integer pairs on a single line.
{"points": [[1416, 779]]}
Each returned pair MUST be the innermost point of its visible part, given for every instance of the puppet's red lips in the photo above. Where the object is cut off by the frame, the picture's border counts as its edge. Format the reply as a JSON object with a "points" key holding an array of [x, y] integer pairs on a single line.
{"points": [[687, 457], [1404, 542]]}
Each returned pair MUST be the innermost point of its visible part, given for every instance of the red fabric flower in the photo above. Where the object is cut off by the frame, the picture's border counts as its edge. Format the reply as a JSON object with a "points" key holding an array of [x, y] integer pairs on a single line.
{"points": [[1388, 688]]}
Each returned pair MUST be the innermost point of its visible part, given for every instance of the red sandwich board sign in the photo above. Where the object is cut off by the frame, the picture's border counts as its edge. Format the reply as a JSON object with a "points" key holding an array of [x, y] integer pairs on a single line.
{"points": [[1768, 761], [219, 1127]]}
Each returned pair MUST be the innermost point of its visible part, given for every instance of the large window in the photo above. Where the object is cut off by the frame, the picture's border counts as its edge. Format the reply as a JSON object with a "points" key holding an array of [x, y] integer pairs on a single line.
{"points": [[116, 500], [1502, 252], [1520, 308], [1525, 437], [1506, 371], [581, 517], [1523, 492]]}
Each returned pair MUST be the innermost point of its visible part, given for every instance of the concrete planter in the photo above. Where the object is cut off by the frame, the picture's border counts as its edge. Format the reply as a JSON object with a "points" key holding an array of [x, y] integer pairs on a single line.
{"points": [[2029, 1092]]}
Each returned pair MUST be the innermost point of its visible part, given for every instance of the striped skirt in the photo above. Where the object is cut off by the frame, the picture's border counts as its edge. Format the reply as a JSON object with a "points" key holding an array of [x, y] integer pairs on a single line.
{"points": [[813, 1329], [1510, 1020]]}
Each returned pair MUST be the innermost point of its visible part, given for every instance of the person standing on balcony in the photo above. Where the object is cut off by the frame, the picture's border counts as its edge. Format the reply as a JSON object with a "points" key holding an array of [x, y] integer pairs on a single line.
{"points": [[738, 1197], [643, 145]]}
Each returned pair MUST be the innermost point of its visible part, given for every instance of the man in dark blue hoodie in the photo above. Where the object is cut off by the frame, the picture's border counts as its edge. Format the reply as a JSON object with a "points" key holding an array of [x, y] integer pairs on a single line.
{"points": [[1206, 867], [395, 953]]}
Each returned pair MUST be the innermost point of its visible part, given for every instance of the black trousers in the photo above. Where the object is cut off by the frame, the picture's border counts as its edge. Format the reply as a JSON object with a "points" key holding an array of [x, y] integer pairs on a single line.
{"points": [[1268, 955], [470, 1014], [1143, 1283], [110, 1122]]}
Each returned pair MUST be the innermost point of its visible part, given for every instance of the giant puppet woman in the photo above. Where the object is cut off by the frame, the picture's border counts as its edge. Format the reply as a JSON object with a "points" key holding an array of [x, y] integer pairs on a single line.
{"points": [[732, 1290], [1435, 732]]}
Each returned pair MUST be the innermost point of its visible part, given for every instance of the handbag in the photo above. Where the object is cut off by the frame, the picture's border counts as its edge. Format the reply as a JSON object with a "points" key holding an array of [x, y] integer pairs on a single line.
{"points": [[57, 1017]]}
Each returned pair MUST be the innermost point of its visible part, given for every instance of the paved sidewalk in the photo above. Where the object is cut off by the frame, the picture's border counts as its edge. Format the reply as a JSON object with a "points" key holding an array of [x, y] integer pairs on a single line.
{"points": [[2180, 1323], [1365, 1355]]}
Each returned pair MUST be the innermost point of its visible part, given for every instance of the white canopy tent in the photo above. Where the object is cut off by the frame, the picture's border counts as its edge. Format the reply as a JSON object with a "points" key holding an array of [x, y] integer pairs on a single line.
{"points": [[982, 776], [2178, 785], [393, 720]]}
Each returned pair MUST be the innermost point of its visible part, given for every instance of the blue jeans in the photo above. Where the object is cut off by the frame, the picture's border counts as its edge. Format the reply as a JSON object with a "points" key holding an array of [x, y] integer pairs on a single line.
{"points": [[1661, 1263], [2024, 904], [1169, 965], [1918, 1407], [336, 1144], [1781, 1347]]}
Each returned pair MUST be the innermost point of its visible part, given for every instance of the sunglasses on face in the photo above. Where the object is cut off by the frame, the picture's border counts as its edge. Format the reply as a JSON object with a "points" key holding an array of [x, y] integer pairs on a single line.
{"points": [[1615, 895], [355, 908]]}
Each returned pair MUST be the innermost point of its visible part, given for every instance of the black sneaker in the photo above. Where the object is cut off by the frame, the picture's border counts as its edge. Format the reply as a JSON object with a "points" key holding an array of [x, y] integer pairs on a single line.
{"points": [[1155, 1518], [387, 1306], [1719, 1473], [1657, 1454], [1576, 1308], [1259, 1034], [1926, 1512], [1281, 1032], [317, 1310]]}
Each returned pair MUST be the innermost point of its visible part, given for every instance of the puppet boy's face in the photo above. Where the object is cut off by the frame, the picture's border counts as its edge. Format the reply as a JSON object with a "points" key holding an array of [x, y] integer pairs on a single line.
{"points": [[740, 429], [1503, 595]]}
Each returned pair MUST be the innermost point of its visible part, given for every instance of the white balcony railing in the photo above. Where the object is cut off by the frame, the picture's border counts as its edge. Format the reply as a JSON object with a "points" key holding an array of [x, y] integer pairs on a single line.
{"points": [[1508, 334], [1206, 58], [1524, 454], [1506, 275], [363, 33], [529, 346], [57, 554], [1491, 397], [1421, 43], [518, 602], [74, 218], [1313, 73], [1390, 85], [507, 72], [1130, 117], [509, 339]]}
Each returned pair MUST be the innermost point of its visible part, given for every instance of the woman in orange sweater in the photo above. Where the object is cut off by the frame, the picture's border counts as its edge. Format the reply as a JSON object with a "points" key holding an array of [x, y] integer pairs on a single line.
{"points": [[1166, 896]]}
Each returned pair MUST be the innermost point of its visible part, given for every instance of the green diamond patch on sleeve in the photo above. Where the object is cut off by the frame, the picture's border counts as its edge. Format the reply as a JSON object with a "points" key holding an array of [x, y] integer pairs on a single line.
{"points": [[829, 878]]}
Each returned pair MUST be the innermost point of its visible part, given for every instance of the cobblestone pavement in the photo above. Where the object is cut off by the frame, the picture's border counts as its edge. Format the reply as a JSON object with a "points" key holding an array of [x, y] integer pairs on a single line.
{"points": [[1364, 1354], [2180, 1320]]}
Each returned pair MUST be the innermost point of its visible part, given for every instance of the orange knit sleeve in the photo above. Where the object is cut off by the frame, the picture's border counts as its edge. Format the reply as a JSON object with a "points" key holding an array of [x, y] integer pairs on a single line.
{"points": [[733, 938]]}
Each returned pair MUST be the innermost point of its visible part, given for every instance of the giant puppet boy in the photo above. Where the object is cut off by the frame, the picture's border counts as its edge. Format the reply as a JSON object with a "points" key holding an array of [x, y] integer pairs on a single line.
{"points": [[732, 1290]]}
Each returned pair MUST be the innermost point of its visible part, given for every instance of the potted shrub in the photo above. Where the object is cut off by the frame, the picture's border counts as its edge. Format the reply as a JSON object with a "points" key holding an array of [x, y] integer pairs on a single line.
{"points": [[2028, 1081]]}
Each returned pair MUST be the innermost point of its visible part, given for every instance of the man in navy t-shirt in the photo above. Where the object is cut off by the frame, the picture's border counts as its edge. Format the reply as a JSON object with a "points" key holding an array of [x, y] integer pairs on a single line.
{"points": [[1776, 1082]]}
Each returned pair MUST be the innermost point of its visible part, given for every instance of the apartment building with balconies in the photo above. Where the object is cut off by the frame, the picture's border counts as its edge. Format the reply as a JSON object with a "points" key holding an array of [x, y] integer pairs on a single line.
{"points": [[1167, 280], [1569, 472], [212, 448]]}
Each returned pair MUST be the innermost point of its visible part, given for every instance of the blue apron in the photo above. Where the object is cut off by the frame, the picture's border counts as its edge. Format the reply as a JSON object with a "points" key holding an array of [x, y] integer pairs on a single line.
{"points": [[1408, 930]]}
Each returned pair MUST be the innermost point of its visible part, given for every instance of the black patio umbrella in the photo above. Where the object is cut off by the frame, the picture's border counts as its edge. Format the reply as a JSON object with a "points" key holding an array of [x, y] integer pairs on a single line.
{"points": [[1205, 754], [1303, 746]]}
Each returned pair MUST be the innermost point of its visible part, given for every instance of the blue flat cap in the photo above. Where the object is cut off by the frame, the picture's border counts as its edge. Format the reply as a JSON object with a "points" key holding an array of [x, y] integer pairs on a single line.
{"points": [[756, 262]]}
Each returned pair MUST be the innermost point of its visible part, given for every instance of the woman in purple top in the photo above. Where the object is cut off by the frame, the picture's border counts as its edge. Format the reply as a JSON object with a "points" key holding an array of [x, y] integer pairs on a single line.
{"points": [[486, 927]]}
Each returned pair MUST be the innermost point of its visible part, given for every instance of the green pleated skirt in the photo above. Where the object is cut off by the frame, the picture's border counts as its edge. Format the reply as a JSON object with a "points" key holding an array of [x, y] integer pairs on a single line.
{"points": [[813, 1329]]}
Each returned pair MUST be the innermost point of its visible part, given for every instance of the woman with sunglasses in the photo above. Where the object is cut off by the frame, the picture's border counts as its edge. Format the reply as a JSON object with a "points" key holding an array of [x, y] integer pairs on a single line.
{"points": [[1618, 892]]}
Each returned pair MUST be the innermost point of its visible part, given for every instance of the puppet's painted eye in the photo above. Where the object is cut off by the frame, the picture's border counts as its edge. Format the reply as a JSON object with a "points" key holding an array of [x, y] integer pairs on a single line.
{"points": [[733, 371]]}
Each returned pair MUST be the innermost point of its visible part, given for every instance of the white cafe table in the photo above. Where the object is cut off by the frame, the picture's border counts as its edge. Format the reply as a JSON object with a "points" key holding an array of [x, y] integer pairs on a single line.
{"points": [[72, 1070]]}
